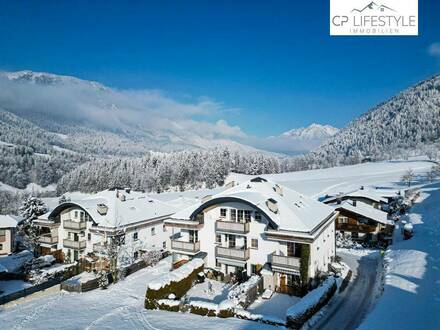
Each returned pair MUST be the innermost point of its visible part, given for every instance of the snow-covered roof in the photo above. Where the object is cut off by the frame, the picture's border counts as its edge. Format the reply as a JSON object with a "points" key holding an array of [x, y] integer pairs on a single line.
{"points": [[132, 208], [359, 193], [293, 211], [182, 202], [365, 210], [9, 221]]}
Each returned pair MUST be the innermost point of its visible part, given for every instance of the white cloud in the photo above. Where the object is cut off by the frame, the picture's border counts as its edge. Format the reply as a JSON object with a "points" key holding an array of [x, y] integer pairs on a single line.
{"points": [[71, 99], [434, 49]]}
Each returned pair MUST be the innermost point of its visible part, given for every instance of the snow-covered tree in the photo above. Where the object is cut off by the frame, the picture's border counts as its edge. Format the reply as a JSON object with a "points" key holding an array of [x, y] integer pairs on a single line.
{"points": [[408, 177], [30, 209]]}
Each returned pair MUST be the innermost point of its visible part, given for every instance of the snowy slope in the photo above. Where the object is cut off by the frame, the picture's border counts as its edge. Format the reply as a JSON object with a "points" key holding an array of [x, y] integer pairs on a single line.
{"points": [[406, 122], [411, 297], [119, 307]]}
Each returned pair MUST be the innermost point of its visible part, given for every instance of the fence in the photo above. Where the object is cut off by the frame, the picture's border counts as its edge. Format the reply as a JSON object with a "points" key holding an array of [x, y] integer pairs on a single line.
{"points": [[26, 292]]}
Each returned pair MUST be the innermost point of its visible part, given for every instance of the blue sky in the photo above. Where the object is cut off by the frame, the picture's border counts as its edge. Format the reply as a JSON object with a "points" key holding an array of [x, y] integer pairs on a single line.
{"points": [[272, 64]]}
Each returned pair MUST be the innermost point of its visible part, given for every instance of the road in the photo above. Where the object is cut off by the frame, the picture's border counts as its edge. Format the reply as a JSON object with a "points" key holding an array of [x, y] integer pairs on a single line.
{"points": [[347, 310]]}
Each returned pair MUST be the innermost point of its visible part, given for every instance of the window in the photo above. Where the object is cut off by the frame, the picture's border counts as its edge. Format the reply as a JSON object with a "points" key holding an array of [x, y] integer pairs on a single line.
{"points": [[89, 236], [81, 214], [1, 246], [164, 228], [293, 249], [164, 245], [2, 232], [257, 216], [254, 243], [217, 263], [153, 231], [342, 219], [136, 255], [254, 269], [218, 238], [233, 215], [247, 215], [135, 236], [223, 213], [231, 241], [240, 215], [76, 214]]}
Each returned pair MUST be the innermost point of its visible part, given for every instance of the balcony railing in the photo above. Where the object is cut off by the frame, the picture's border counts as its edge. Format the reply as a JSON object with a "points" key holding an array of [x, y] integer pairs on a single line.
{"points": [[77, 245], [230, 226], [232, 253], [185, 246], [2, 238], [285, 261], [69, 224], [48, 239]]}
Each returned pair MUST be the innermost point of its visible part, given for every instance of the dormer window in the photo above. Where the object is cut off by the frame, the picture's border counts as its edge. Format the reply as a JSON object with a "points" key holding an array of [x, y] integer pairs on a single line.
{"points": [[272, 205], [222, 213], [247, 215]]}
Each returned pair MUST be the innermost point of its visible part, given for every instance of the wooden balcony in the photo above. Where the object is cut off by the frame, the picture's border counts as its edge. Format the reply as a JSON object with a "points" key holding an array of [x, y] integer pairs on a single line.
{"points": [[76, 245], [2, 238], [185, 246], [48, 239], [360, 228], [69, 224], [285, 261], [232, 227], [232, 253]]}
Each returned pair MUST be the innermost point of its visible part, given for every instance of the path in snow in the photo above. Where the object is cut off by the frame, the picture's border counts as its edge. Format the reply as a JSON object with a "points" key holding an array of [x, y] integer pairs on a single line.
{"points": [[346, 311], [411, 297]]}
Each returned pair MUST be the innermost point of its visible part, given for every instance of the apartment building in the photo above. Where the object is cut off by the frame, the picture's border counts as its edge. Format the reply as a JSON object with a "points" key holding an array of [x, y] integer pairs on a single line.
{"points": [[87, 226], [257, 225]]}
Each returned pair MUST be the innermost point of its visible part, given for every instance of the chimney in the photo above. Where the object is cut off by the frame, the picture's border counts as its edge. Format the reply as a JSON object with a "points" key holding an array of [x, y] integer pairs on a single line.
{"points": [[354, 203], [362, 187], [338, 201]]}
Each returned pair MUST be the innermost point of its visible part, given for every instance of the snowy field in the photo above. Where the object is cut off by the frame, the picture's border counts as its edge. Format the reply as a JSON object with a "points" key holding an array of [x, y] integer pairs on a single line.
{"points": [[119, 307], [411, 298]]}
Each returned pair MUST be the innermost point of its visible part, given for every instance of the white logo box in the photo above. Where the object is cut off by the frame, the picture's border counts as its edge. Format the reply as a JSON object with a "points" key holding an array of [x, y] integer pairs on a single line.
{"points": [[374, 18]]}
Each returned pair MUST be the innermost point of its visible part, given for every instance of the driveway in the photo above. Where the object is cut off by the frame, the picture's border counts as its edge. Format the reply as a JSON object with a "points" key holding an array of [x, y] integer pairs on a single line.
{"points": [[347, 310]]}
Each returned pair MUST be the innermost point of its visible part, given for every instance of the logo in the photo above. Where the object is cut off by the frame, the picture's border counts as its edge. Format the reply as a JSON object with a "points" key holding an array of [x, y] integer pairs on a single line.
{"points": [[374, 18]]}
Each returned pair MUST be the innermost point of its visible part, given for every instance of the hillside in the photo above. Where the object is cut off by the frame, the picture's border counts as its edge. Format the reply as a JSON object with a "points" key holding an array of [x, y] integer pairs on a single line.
{"points": [[408, 123]]}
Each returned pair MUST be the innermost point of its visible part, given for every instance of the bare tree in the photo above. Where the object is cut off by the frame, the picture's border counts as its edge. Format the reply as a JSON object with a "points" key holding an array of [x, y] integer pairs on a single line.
{"points": [[408, 177]]}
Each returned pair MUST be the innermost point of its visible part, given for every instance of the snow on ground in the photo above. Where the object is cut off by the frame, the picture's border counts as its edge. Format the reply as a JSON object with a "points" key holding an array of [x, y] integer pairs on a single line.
{"points": [[315, 183], [274, 307], [121, 306], [7, 287], [14, 261], [200, 292], [411, 297]]}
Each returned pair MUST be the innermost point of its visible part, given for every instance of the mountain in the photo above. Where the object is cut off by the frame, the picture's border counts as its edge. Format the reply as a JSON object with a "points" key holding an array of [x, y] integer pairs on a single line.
{"points": [[314, 131], [52, 124], [96, 119], [407, 124]]}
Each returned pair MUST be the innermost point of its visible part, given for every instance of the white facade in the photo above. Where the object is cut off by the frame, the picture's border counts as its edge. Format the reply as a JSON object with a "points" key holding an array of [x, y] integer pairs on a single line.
{"points": [[84, 227], [240, 236]]}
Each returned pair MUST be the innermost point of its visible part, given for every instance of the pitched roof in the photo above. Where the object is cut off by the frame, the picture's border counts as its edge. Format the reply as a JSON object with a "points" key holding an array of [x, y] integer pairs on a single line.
{"points": [[294, 211], [9, 221], [365, 210], [132, 208], [359, 193]]}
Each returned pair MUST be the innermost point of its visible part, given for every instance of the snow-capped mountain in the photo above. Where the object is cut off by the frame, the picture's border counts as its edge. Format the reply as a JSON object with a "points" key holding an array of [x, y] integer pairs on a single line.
{"points": [[314, 131], [101, 120], [406, 124]]}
